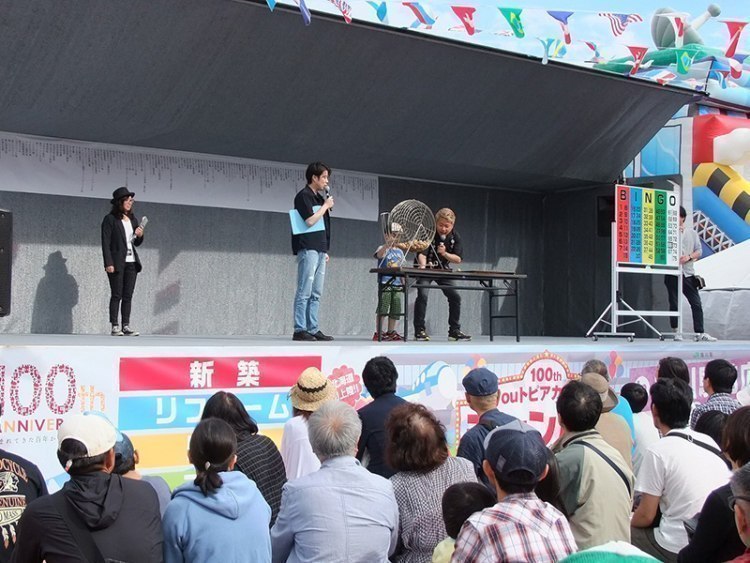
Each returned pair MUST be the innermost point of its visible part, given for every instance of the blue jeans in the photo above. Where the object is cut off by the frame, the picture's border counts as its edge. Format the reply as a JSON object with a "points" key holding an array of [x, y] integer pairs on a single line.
{"points": [[311, 273]]}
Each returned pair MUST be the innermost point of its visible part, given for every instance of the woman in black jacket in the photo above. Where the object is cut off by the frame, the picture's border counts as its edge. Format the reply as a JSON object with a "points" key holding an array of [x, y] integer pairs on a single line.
{"points": [[121, 234]]}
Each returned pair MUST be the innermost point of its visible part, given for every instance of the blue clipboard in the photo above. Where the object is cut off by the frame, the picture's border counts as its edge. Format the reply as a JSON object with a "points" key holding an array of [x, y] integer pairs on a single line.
{"points": [[299, 227]]}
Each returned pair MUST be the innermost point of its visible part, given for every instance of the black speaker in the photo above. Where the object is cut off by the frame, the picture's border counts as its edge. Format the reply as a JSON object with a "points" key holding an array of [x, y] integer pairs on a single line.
{"points": [[6, 260], [605, 215]]}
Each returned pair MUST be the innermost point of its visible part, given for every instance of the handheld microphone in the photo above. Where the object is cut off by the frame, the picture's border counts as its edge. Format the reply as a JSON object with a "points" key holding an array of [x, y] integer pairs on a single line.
{"points": [[143, 224], [327, 196]]}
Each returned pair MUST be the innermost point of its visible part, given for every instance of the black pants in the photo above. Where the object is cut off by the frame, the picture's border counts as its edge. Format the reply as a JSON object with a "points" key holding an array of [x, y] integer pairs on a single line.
{"points": [[121, 285], [454, 304], [689, 290]]}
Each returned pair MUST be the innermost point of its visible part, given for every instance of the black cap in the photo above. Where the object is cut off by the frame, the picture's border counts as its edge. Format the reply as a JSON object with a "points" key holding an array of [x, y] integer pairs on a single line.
{"points": [[121, 193]]}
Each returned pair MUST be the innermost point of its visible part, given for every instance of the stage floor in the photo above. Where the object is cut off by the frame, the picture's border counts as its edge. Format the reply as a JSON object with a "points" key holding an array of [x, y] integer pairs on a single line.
{"points": [[507, 343]]}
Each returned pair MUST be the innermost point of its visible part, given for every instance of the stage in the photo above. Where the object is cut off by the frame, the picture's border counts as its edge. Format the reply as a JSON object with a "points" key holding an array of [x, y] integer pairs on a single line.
{"points": [[154, 387]]}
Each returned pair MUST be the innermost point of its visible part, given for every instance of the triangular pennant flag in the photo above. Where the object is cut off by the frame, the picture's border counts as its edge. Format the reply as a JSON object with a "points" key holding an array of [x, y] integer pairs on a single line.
{"points": [[735, 31], [513, 17], [423, 18], [638, 54], [344, 8], [271, 4], [678, 25], [663, 77], [304, 10], [684, 60], [720, 76], [381, 10], [466, 15], [618, 22], [597, 57], [552, 48], [562, 18]]}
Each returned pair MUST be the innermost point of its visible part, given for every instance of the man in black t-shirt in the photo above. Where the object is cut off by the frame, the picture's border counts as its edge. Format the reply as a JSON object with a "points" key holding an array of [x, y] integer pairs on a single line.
{"points": [[20, 483], [96, 516], [313, 203], [445, 249]]}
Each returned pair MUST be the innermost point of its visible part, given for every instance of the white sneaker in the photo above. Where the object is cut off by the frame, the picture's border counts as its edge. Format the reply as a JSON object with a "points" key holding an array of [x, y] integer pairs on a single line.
{"points": [[705, 337], [678, 338]]}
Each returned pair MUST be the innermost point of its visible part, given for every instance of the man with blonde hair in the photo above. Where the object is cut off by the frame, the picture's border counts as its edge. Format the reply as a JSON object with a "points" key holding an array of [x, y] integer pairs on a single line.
{"points": [[444, 250]]}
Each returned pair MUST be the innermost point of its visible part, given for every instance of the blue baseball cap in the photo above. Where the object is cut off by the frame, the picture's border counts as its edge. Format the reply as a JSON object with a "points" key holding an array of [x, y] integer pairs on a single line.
{"points": [[517, 452], [480, 382]]}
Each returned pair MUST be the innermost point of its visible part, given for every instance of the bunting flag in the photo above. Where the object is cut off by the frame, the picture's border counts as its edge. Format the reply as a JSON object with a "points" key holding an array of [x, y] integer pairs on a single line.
{"points": [[684, 60], [304, 10], [381, 10], [466, 15], [663, 76], [344, 8], [597, 57], [423, 18], [678, 24], [735, 31], [552, 48], [271, 4], [728, 66], [619, 22], [562, 18], [720, 76], [513, 17], [638, 54]]}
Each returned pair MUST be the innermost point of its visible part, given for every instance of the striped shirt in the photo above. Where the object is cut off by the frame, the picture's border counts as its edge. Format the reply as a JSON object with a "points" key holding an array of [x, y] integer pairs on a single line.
{"points": [[722, 402], [520, 528]]}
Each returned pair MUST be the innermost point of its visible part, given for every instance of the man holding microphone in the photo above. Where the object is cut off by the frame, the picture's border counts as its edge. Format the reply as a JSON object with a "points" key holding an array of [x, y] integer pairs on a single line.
{"points": [[313, 203]]}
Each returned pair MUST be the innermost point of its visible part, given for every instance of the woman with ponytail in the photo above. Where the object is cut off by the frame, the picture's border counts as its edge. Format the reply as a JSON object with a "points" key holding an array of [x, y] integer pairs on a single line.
{"points": [[221, 515]]}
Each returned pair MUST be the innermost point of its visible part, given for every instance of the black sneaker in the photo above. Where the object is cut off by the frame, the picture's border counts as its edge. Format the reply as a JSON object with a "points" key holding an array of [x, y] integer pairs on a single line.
{"points": [[323, 337], [127, 331], [303, 335], [458, 335], [421, 335], [116, 331]]}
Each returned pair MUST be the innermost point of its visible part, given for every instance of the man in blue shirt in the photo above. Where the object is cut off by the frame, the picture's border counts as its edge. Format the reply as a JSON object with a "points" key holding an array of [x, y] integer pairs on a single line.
{"points": [[480, 385], [341, 513]]}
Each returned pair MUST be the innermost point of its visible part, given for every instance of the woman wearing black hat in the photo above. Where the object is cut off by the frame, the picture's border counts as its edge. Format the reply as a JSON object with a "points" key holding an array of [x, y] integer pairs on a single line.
{"points": [[120, 235]]}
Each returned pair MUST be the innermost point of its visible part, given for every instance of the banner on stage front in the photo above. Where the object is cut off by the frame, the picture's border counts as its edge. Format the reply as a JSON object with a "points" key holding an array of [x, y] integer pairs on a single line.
{"points": [[647, 226]]}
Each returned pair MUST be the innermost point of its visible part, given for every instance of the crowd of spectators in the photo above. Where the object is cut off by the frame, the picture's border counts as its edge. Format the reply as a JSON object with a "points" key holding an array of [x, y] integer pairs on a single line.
{"points": [[643, 475]]}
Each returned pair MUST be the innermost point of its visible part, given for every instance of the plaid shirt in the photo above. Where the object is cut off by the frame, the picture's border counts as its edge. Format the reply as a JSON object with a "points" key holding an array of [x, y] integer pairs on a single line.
{"points": [[520, 528], [722, 402]]}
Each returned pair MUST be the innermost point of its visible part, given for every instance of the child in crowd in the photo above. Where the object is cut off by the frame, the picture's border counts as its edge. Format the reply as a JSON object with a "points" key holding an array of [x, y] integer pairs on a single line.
{"points": [[389, 255], [221, 515], [445, 249], [460, 501], [645, 431]]}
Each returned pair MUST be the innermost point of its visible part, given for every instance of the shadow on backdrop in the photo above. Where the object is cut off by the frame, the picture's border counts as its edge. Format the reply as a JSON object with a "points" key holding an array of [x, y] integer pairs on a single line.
{"points": [[56, 295]]}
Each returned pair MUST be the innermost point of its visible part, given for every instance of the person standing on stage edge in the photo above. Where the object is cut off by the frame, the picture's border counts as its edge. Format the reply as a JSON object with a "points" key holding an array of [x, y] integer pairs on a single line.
{"points": [[445, 249], [121, 234], [313, 203], [690, 252]]}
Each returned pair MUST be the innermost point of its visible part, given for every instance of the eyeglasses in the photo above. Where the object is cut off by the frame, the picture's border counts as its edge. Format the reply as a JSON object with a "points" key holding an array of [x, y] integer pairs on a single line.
{"points": [[732, 500]]}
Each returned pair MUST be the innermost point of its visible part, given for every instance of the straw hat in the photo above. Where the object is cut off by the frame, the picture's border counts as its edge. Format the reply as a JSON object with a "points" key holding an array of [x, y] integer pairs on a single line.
{"points": [[312, 390]]}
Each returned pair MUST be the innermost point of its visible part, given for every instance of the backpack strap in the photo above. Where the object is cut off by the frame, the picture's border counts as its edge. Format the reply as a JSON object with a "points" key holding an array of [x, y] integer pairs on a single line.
{"points": [[611, 463], [78, 529], [715, 451]]}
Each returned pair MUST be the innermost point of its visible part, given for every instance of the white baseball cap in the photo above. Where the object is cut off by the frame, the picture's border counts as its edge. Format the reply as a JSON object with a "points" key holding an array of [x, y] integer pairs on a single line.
{"points": [[94, 431]]}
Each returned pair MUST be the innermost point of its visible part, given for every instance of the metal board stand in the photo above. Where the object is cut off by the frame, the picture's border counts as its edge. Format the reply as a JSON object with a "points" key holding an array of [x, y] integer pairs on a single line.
{"points": [[618, 307]]}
